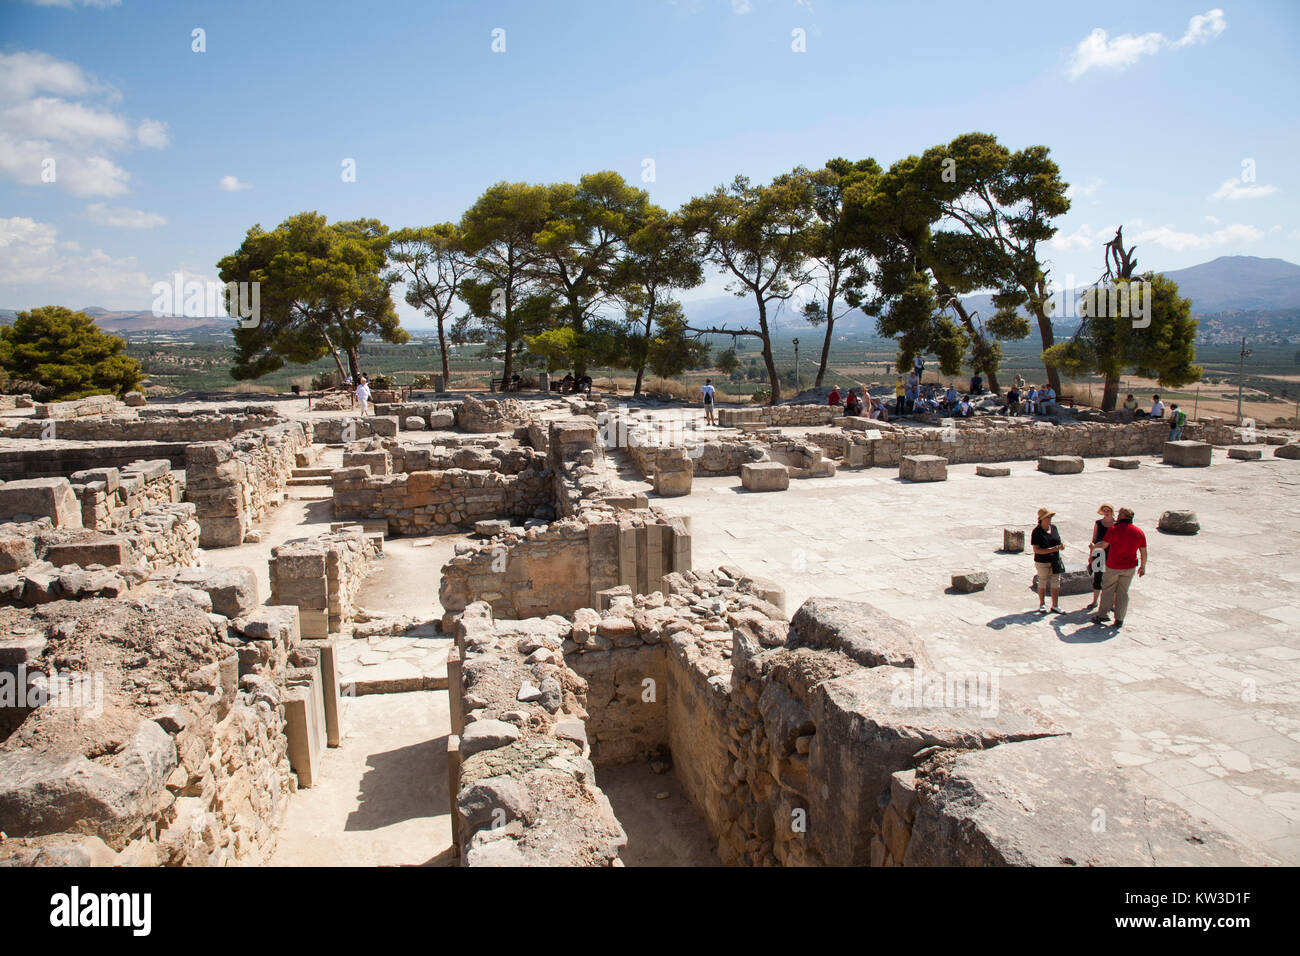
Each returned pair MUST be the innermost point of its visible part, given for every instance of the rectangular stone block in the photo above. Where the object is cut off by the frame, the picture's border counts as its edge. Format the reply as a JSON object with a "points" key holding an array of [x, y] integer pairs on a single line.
{"points": [[1125, 464], [304, 728], [1060, 464], [764, 476], [31, 498], [102, 549], [992, 471], [1013, 540], [1245, 454], [923, 468], [1188, 454]]}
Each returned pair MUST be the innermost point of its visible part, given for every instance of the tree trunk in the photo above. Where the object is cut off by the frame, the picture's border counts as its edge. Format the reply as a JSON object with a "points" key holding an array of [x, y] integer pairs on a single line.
{"points": [[826, 342], [640, 374], [579, 327], [1045, 330], [442, 347], [509, 365], [354, 363], [767, 352], [993, 382], [1110, 396]]}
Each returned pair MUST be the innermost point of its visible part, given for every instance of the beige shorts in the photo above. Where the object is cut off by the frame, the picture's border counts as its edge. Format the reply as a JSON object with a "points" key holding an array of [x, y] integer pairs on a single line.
{"points": [[1047, 579]]}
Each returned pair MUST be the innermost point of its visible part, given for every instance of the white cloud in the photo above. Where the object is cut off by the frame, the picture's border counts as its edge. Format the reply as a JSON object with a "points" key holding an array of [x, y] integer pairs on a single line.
{"points": [[1100, 51], [1075, 191], [123, 218], [232, 184], [1170, 238], [1236, 189], [1214, 220], [1084, 237], [55, 127], [1203, 28], [36, 269], [740, 7], [152, 134]]}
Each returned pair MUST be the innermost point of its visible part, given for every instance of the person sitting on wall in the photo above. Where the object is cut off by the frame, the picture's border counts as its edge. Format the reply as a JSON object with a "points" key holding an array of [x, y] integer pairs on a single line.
{"points": [[1012, 407], [834, 397], [854, 404], [584, 385], [566, 383], [515, 382], [950, 398], [964, 408]]}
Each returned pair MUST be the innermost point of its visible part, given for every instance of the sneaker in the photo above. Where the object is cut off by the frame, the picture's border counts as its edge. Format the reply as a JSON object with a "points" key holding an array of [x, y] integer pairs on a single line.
{"points": [[1091, 605], [1042, 609], [1056, 610], [1100, 619]]}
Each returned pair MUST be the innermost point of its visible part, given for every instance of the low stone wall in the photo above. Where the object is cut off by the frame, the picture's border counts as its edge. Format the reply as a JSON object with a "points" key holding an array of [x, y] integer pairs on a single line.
{"points": [[234, 483], [493, 415], [191, 708], [110, 497], [524, 790], [79, 408], [562, 567], [421, 502], [767, 416], [53, 459], [156, 425], [321, 577]]}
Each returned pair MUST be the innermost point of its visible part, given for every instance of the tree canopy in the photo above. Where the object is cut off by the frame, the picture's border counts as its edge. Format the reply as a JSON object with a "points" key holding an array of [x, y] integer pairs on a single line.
{"points": [[66, 355], [323, 289]]}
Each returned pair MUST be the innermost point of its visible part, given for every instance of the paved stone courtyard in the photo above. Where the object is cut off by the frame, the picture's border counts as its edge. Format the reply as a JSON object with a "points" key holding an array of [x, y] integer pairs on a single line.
{"points": [[1197, 698]]}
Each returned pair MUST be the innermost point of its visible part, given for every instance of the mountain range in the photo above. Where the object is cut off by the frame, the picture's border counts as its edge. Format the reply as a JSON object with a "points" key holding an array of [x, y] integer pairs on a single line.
{"points": [[1269, 289]]}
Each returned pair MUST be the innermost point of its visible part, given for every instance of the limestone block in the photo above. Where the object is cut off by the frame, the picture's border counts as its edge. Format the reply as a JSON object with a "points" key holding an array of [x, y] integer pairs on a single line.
{"points": [[135, 399], [764, 476], [992, 471], [414, 423], [1179, 522], [304, 727], [1013, 540], [233, 590], [491, 526], [1188, 454], [860, 631], [1245, 454], [968, 582], [51, 498], [968, 815], [1289, 450], [442, 420], [923, 468], [1124, 463], [1060, 464], [1073, 581], [107, 550], [674, 484], [383, 425]]}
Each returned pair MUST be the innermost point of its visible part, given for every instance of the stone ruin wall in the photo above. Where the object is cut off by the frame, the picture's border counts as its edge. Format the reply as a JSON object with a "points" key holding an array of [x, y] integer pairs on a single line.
{"points": [[562, 567], [810, 742], [421, 502], [154, 424], [321, 577], [234, 483], [202, 772]]}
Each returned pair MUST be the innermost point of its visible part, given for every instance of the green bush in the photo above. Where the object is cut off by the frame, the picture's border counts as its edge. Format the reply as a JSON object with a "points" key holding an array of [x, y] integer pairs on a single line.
{"points": [[67, 354]]}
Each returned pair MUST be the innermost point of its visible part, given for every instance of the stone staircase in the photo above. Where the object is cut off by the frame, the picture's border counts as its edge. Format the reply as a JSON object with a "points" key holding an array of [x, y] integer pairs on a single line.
{"points": [[311, 479]]}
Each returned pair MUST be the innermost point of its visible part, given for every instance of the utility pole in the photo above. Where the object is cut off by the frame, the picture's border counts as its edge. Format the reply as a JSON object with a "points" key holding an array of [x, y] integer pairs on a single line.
{"points": [[798, 383], [1241, 376]]}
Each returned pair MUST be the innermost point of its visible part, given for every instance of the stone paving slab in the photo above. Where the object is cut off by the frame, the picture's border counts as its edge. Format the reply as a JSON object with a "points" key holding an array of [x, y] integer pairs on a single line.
{"points": [[392, 665]]}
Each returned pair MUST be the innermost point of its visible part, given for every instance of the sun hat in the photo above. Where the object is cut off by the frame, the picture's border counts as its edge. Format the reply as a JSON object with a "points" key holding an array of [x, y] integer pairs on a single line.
{"points": [[1044, 513], [1105, 507]]}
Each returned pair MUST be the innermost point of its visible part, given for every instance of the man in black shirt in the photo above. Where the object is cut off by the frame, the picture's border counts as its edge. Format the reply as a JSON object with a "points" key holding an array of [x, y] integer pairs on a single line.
{"points": [[1047, 545]]}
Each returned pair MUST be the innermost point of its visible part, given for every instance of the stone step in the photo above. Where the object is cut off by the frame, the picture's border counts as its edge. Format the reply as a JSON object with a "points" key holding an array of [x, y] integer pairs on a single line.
{"points": [[297, 482], [313, 472]]}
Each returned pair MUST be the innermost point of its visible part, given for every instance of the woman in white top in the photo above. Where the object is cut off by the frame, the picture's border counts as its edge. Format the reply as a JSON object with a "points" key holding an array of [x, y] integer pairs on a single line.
{"points": [[363, 393]]}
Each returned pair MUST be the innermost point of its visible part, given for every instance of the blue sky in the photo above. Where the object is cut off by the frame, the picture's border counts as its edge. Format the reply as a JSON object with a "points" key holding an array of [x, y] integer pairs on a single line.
{"points": [[1178, 120]]}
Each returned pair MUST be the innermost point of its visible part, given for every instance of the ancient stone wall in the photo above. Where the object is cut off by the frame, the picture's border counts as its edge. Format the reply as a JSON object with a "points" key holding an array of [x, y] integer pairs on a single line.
{"points": [[234, 483], [778, 416], [162, 742], [151, 425], [321, 577], [110, 496], [421, 502], [524, 790], [562, 567]]}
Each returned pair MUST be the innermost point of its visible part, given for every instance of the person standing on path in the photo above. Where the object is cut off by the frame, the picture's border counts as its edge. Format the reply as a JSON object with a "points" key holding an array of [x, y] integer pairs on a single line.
{"points": [[363, 393], [1177, 419], [1097, 562], [1047, 545], [706, 391], [1124, 544]]}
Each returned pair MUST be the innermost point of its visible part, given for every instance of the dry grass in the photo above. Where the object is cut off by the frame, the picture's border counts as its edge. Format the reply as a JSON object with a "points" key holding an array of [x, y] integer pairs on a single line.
{"points": [[252, 388], [671, 388]]}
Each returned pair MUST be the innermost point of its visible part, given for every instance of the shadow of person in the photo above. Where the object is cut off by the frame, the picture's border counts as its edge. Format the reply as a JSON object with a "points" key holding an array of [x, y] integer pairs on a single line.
{"points": [[1020, 617], [1090, 633]]}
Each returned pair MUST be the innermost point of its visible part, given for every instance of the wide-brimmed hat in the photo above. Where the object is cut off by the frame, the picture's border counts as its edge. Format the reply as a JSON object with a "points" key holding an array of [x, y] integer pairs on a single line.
{"points": [[1105, 507], [1045, 513]]}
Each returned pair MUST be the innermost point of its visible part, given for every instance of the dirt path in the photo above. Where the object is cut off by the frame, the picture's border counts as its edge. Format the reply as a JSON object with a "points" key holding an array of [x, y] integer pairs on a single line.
{"points": [[382, 799]]}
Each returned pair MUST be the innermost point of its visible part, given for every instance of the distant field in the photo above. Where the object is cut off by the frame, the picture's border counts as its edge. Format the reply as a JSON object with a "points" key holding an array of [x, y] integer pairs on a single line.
{"points": [[1272, 381]]}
